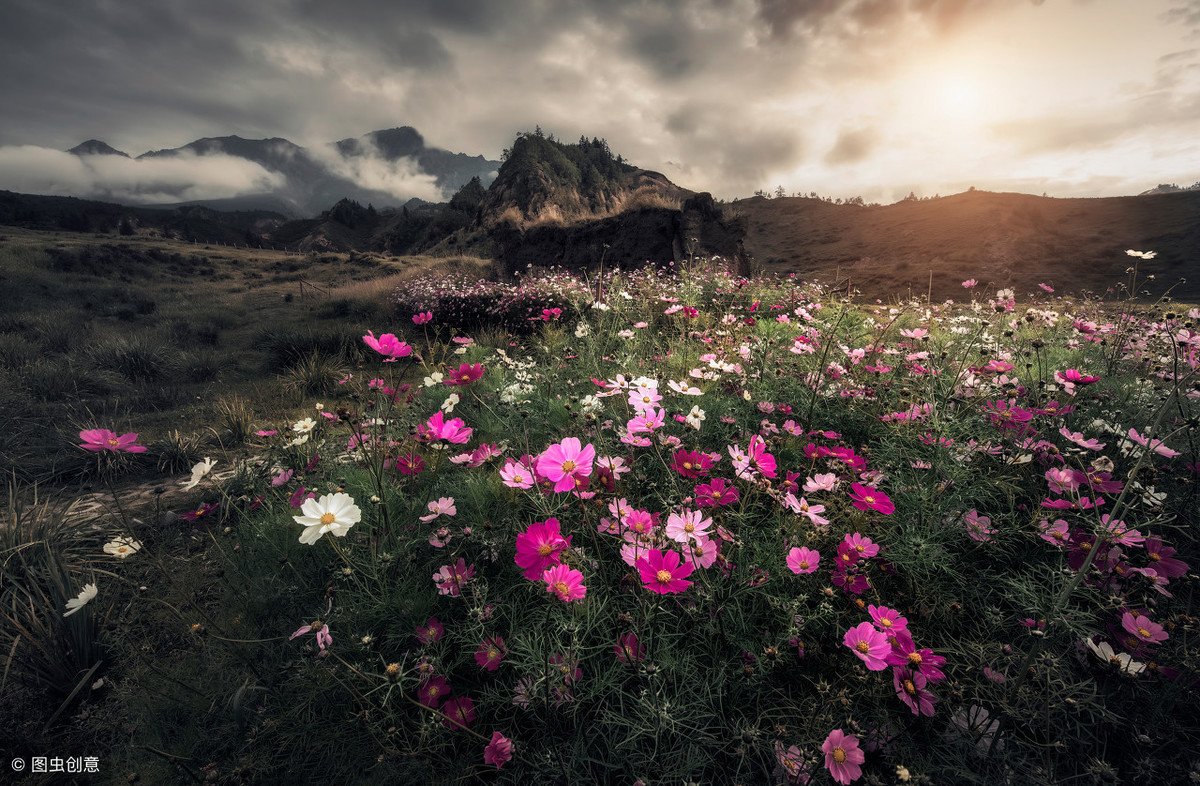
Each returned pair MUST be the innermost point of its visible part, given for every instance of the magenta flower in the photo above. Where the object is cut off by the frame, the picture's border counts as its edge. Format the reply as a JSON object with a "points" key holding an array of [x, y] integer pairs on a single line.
{"points": [[321, 629], [563, 462], [465, 374], [869, 498], [869, 645], [970, 282], [436, 427], [1162, 559], [843, 757], [450, 579], [664, 573], [499, 751], [1144, 628], [491, 651], [716, 493], [628, 649], [433, 691], [564, 582], [910, 687], [458, 712], [888, 621], [905, 654], [978, 527], [410, 464], [539, 547], [691, 464], [431, 631], [864, 547], [200, 512], [423, 317], [387, 345], [803, 560], [99, 439], [760, 459], [299, 497]]}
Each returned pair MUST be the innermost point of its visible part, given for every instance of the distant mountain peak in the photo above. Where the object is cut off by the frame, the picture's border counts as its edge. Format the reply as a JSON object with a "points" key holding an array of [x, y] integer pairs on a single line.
{"points": [[94, 147]]}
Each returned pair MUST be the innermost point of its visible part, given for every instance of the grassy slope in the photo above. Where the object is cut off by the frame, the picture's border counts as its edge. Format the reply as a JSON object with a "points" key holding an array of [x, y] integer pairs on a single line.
{"points": [[1014, 240], [197, 317]]}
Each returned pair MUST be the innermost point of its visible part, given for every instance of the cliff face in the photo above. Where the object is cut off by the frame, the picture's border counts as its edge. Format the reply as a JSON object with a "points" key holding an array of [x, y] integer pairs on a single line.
{"points": [[630, 240]]}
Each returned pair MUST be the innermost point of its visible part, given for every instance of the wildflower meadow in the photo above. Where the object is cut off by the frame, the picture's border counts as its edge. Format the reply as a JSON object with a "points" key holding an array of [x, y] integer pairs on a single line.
{"points": [[666, 527]]}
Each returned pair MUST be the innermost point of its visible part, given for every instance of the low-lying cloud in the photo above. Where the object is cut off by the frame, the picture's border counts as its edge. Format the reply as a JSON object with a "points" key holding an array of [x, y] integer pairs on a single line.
{"points": [[401, 178], [29, 169]]}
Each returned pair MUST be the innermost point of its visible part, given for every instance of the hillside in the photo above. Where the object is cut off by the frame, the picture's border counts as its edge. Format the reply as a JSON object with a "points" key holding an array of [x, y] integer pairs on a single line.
{"points": [[1010, 240]]}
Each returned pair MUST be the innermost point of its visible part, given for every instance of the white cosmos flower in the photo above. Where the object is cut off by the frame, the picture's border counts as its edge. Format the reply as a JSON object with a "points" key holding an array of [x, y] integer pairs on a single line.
{"points": [[75, 604], [198, 473], [1122, 660], [335, 513], [122, 547], [304, 426]]}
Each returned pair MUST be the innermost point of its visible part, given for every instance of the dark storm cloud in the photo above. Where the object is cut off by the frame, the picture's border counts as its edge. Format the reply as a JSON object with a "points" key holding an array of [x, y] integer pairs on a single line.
{"points": [[698, 81]]}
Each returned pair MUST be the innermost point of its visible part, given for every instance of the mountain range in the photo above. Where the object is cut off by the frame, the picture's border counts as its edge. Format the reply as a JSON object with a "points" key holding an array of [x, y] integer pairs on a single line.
{"points": [[579, 205], [385, 168]]}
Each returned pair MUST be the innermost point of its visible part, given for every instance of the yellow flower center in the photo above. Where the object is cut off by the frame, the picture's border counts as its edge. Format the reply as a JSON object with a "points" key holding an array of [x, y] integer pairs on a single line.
{"points": [[113, 442], [860, 548], [862, 647], [327, 519], [839, 755], [1155, 557], [912, 689], [561, 588], [1143, 633], [689, 527], [914, 658], [869, 500], [663, 577], [568, 466], [885, 622], [803, 564], [545, 550], [434, 690], [493, 653], [316, 626]]}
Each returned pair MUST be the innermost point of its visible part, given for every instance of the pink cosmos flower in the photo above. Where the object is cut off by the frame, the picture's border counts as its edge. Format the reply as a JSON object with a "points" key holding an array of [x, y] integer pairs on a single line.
{"points": [[539, 547], [465, 374], [760, 459], [281, 478], [905, 654], [888, 621], [99, 439], [843, 757], [458, 712], [970, 282], [1154, 444], [865, 547], [267, 433], [1162, 559], [910, 687], [564, 582], [642, 399], [869, 498], [431, 631], [499, 751], [299, 496], [703, 553], [436, 427], [433, 691], [628, 649], [1080, 440], [387, 345], [691, 464], [1144, 628], [663, 573], [824, 482], [517, 475], [491, 651], [978, 527], [443, 507], [321, 629], [200, 512], [716, 493], [410, 464], [564, 462], [450, 579], [687, 525], [869, 645], [1057, 533], [802, 506], [423, 317], [803, 560]]}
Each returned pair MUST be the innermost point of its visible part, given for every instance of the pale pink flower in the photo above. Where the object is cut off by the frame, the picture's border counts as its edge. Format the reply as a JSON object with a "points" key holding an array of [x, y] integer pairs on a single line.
{"points": [[443, 507], [843, 757]]}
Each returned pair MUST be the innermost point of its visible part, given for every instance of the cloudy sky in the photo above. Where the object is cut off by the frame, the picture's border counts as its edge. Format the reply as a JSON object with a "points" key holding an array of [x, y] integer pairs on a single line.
{"points": [[842, 97]]}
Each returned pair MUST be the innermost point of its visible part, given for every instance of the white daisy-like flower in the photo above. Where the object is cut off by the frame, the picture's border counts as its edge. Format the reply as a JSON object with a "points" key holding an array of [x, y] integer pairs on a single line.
{"points": [[1122, 660], [450, 403], [198, 473], [304, 426], [122, 547], [75, 604], [335, 513], [433, 379]]}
